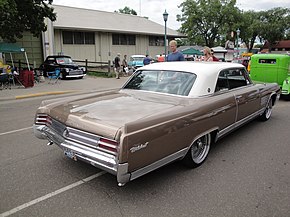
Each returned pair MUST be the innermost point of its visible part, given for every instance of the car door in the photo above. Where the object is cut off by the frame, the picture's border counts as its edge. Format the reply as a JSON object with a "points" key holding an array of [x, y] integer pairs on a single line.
{"points": [[246, 94]]}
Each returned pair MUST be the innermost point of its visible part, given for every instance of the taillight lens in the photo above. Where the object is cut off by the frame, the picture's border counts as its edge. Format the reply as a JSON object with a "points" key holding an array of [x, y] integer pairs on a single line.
{"points": [[109, 145], [42, 119]]}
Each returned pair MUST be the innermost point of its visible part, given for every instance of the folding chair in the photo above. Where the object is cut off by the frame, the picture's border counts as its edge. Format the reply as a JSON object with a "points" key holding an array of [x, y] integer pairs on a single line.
{"points": [[5, 81], [54, 76]]}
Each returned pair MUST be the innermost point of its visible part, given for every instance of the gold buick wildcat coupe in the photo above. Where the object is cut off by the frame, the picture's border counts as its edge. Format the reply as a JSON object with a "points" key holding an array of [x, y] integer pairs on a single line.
{"points": [[164, 112]]}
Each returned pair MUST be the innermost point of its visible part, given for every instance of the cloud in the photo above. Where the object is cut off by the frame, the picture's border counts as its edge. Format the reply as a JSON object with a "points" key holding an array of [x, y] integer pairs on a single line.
{"points": [[153, 9]]}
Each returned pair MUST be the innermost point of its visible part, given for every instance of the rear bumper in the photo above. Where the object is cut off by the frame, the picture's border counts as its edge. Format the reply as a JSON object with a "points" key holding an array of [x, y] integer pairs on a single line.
{"points": [[83, 152]]}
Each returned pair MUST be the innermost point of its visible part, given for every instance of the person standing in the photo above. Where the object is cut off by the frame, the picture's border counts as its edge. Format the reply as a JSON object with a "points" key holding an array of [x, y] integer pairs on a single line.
{"points": [[207, 54], [214, 58], [147, 60], [160, 58], [117, 63], [175, 55], [125, 65]]}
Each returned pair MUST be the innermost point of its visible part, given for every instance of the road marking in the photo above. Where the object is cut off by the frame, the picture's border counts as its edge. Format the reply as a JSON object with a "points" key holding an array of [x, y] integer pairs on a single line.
{"points": [[61, 190], [14, 131]]}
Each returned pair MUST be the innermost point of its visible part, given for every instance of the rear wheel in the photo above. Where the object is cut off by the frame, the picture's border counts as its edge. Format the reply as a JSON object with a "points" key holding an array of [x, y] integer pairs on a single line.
{"points": [[268, 111], [198, 151]]}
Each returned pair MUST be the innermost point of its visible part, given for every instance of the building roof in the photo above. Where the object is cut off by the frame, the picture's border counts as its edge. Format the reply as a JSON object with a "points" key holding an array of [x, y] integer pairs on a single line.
{"points": [[95, 20], [279, 44]]}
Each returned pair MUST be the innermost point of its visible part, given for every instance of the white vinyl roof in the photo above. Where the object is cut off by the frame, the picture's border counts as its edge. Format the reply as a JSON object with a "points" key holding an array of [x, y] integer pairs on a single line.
{"points": [[206, 72], [94, 20]]}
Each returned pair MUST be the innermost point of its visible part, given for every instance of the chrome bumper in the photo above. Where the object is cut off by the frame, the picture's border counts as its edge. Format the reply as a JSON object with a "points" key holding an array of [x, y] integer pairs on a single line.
{"points": [[77, 151]]}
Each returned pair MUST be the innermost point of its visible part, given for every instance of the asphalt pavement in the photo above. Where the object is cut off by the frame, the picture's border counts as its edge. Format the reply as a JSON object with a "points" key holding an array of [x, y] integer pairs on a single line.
{"points": [[71, 86]]}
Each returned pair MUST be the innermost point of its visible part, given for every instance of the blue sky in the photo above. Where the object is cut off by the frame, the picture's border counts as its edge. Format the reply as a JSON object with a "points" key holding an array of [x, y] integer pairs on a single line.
{"points": [[155, 8]]}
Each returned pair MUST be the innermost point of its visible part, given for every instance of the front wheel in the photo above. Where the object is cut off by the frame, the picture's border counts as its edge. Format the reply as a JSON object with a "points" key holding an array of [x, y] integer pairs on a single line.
{"points": [[62, 75], [268, 111], [198, 151]]}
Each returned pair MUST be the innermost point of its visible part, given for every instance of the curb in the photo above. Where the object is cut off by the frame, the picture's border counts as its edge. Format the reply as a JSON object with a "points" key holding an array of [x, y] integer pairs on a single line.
{"points": [[37, 95]]}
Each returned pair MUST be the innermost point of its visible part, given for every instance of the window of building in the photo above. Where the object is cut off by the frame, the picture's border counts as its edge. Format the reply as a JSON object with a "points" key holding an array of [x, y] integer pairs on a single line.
{"points": [[89, 38], [70, 37], [67, 37], [123, 39], [156, 41], [79, 38]]}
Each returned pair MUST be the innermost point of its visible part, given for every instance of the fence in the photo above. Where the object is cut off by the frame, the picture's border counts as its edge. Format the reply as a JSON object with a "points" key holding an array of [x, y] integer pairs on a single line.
{"points": [[19, 64], [92, 66]]}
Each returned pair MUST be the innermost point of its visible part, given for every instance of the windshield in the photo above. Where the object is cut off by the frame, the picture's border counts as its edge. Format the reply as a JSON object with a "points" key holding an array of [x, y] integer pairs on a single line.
{"points": [[64, 60], [137, 59], [171, 82]]}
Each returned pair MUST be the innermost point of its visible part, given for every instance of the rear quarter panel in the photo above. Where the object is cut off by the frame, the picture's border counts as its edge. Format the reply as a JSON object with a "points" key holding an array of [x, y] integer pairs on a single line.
{"points": [[167, 133]]}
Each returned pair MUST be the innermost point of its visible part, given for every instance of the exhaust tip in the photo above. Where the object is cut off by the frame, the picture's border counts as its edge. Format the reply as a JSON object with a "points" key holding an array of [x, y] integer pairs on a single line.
{"points": [[49, 143]]}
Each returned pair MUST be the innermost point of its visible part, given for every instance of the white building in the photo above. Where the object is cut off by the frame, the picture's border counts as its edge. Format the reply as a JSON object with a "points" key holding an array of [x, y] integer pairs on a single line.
{"points": [[99, 36]]}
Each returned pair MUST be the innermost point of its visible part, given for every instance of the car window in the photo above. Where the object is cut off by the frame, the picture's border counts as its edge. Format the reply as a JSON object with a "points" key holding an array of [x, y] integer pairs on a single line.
{"points": [[267, 61], [64, 60], [138, 58], [50, 60], [231, 79], [171, 82]]}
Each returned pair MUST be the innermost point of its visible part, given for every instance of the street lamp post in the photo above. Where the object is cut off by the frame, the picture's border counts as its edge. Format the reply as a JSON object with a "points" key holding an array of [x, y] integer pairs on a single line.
{"points": [[238, 34], [165, 17]]}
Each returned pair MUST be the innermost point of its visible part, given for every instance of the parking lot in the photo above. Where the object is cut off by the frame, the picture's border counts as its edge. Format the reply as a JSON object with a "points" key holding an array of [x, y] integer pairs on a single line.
{"points": [[247, 173]]}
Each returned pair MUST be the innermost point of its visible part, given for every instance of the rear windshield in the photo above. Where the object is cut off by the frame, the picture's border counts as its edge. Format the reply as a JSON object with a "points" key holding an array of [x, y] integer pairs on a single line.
{"points": [[171, 82], [267, 61]]}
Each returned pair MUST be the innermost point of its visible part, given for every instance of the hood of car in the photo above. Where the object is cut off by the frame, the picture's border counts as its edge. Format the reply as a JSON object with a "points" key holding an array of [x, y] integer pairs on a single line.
{"points": [[71, 66], [106, 113]]}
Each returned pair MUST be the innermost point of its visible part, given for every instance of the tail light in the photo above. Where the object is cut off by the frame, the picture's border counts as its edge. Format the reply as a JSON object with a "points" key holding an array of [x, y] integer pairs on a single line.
{"points": [[42, 119], [108, 145]]}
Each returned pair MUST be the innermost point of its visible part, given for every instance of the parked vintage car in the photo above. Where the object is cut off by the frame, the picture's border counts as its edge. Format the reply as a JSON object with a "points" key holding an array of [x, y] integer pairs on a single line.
{"points": [[272, 68], [68, 69], [164, 112], [135, 62]]}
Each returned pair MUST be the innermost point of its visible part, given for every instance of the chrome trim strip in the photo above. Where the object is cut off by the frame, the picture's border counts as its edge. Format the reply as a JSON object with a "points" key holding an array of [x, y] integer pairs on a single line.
{"points": [[228, 129], [74, 76], [158, 164]]}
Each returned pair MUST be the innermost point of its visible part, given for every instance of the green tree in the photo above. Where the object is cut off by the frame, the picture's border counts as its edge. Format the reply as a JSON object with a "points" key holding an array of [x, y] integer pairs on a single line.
{"points": [[275, 23], [18, 16], [249, 25], [205, 21], [127, 10]]}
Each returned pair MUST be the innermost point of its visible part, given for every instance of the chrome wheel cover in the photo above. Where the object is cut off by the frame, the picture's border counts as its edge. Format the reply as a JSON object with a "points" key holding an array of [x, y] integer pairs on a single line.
{"points": [[268, 110], [200, 149]]}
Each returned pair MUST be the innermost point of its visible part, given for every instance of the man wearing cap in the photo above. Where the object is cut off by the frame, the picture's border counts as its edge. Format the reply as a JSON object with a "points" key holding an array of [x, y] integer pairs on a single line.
{"points": [[117, 64]]}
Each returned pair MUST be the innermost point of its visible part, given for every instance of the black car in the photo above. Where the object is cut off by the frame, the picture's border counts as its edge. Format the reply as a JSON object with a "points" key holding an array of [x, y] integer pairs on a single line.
{"points": [[68, 69]]}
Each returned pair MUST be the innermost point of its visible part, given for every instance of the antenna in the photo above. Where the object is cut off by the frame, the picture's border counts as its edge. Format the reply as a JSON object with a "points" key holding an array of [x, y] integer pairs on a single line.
{"points": [[140, 8]]}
